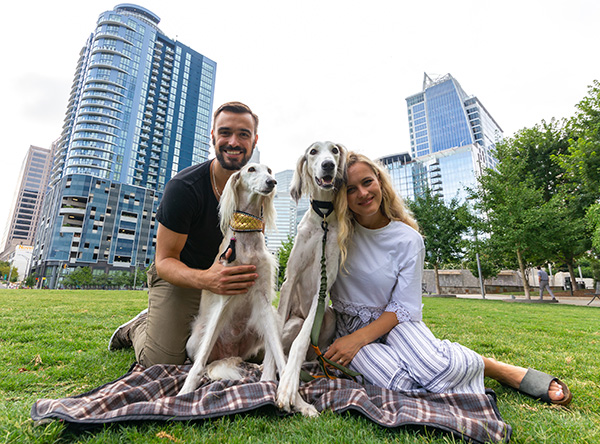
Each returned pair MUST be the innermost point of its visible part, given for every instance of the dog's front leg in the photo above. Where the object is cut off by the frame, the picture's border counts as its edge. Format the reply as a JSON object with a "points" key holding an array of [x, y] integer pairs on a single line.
{"points": [[209, 326], [288, 397], [274, 356]]}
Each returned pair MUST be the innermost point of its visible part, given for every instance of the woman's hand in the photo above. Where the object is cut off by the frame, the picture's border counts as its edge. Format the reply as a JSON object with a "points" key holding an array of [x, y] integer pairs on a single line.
{"points": [[345, 348]]}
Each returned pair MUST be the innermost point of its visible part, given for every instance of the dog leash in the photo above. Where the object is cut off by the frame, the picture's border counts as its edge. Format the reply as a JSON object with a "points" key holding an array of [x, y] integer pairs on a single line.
{"points": [[242, 222], [318, 207]]}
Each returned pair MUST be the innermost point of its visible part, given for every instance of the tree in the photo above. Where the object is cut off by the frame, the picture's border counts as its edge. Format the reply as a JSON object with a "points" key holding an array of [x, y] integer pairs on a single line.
{"points": [[283, 254], [583, 158], [140, 278], [443, 227], [582, 162], [79, 278], [6, 270], [490, 261], [533, 208], [122, 279], [101, 280], [512, 206], [593, 221], [29, 281]]}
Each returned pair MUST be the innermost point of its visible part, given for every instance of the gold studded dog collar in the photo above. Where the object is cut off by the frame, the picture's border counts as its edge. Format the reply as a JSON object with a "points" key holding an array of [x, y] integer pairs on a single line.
{"points": [[246, 222]]}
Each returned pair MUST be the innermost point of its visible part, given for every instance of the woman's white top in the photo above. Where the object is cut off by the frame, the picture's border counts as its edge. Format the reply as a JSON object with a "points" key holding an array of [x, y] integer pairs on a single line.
{"points": [[383, 272]]}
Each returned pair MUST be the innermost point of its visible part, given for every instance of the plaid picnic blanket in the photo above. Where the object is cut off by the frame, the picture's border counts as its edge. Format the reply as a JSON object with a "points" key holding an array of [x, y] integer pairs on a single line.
{"points": [[150, 394]]}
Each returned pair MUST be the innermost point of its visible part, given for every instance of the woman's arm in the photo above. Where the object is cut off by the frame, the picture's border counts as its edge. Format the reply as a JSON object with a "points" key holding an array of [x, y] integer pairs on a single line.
{"points": [[345, 348]]}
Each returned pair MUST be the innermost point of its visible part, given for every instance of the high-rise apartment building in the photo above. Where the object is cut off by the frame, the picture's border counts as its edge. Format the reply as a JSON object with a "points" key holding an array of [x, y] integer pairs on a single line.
{"points": [[289, 213], [26, 207], [139, 111], [452, 139]]}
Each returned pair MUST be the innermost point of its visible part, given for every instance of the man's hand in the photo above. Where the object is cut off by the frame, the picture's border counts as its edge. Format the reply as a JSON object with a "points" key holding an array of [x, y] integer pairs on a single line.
{"points": [[218, 278], [224, 280]]}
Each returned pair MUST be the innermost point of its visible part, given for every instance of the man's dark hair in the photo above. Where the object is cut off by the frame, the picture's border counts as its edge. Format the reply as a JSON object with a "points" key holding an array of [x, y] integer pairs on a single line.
{"points": [[237, 108]]}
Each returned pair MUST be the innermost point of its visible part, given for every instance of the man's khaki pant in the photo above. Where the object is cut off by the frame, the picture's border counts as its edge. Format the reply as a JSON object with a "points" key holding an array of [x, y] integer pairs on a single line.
{"points": [[171, 310]]}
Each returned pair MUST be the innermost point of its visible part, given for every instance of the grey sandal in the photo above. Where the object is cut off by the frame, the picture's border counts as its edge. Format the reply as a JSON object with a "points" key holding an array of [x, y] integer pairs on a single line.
{"points": [[536, 385]]}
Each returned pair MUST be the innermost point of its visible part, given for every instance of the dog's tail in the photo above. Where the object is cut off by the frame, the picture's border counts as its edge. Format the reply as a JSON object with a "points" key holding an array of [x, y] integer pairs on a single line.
{"points": [[227, 368]]}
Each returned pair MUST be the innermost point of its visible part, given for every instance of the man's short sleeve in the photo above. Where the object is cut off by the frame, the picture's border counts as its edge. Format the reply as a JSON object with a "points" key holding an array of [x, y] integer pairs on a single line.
{"points": [[177, 207]]}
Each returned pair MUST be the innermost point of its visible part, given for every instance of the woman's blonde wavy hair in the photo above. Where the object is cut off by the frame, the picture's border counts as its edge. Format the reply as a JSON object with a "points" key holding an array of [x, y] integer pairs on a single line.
{"points": [[392, 205]]}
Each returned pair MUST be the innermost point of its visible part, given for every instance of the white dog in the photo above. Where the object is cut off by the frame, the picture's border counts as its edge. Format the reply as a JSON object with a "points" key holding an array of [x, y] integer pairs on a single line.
{"points": [[318, 173], [240, 325]]}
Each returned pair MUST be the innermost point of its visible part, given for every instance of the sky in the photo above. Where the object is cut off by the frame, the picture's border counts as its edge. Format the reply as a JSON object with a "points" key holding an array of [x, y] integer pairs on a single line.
{"points": [[336, 70]]}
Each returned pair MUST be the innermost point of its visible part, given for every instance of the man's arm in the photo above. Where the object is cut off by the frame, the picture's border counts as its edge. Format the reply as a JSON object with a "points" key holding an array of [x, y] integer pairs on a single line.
{"points": [[217, 279]]}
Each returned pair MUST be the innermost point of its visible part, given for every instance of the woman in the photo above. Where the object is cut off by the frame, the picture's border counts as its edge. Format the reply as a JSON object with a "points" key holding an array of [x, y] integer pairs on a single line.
{"points": [[377, 299]]}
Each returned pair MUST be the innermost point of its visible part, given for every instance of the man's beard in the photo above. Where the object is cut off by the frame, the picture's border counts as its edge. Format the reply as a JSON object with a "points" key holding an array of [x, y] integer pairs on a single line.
{"points": [[232, 165]]}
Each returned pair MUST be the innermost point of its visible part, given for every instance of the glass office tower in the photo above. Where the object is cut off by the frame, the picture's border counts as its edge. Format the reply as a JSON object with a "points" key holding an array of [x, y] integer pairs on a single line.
{"points": [[139, 111], [452, 139]]}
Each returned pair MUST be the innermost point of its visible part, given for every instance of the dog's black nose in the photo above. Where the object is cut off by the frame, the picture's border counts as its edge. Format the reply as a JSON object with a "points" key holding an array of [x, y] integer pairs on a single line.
{"points": [[271, 183], [328, 165]]}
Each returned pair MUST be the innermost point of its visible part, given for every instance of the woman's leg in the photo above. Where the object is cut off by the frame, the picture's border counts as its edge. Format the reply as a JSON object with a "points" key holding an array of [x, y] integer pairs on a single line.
{"points": [[439, 366], [512, 376], [381, 366]]}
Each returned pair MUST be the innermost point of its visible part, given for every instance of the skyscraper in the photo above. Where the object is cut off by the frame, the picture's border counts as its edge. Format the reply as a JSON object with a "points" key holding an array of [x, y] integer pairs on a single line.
{"points": [[139, 111], [289, 213], [452, 139], [27, 203], [443, 116]]}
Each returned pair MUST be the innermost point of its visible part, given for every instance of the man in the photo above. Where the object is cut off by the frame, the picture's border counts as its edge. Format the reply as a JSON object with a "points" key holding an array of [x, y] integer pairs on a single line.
{"points": [[544, 283], [187, 243]]}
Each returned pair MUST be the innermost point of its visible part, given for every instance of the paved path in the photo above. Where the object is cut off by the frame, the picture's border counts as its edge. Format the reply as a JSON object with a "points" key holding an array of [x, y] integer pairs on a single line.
{"points": [[565, 300]]}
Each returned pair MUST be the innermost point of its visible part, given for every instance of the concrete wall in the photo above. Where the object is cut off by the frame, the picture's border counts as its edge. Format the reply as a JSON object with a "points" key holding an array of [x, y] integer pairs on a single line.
{"points": [[463, 281]]}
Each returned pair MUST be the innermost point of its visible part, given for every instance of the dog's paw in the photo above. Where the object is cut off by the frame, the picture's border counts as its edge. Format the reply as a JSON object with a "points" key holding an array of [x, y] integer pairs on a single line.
{"points": [[286, 391], [300, 405], [187, 388], [284, 400]]}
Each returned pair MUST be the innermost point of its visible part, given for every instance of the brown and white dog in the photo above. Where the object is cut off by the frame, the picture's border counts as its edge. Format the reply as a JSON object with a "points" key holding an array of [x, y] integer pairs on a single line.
{"points": [[318, 174]]}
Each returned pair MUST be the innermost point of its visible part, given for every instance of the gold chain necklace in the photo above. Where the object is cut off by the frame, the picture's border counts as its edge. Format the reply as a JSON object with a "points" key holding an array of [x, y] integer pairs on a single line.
{"points": [[215, 182]]}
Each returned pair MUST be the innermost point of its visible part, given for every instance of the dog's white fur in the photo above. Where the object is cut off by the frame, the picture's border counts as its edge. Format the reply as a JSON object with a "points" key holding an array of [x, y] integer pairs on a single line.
{"points": [[318, 173], [240, 325]]}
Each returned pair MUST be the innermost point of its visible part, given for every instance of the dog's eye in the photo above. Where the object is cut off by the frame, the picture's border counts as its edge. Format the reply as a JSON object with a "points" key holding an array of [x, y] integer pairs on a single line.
{"points": [[335, 150], [251, 169], [269, 171], [313, 152]]}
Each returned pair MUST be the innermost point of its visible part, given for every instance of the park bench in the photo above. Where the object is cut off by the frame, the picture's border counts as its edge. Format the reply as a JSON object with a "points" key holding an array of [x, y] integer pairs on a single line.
{"points": [[424, 289]]}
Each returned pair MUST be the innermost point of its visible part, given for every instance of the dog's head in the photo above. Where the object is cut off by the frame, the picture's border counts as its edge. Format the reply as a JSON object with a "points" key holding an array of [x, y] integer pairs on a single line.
{"points": [[321, 167], [250, 189]]}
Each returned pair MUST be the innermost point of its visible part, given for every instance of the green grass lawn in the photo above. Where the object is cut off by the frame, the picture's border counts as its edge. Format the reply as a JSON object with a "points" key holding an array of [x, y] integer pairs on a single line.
{"points": [[53, 345]]}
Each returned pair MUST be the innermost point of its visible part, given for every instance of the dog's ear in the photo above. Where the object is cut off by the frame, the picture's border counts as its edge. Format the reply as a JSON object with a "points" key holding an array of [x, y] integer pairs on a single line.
{"points": [[228, 202], [297, 180], [340, 175]]}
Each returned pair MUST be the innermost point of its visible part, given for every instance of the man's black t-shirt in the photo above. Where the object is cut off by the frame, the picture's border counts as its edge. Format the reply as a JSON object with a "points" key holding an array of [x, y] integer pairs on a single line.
{"points": [[189, 206]]}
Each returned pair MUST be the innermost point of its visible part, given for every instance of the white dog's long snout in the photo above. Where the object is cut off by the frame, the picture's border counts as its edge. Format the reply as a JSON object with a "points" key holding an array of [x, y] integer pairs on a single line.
{"points": [[328, 166], [270, 185]]}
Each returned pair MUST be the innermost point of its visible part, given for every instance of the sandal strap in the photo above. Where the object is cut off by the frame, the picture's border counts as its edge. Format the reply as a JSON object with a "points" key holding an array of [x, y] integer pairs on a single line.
{"points": [[536, 384]]}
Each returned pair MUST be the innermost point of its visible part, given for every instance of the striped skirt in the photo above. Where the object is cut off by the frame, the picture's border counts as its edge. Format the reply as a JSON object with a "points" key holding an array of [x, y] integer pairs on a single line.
{"points": [[411, 359]]}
